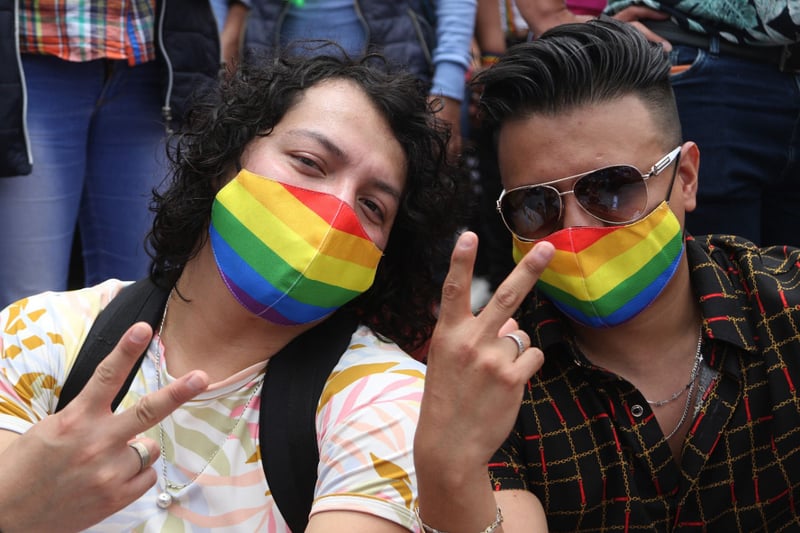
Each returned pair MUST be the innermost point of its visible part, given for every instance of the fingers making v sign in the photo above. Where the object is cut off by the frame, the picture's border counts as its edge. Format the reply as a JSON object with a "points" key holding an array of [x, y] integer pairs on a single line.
{"points": [[477, 365], [477, 369], [96, 457]]}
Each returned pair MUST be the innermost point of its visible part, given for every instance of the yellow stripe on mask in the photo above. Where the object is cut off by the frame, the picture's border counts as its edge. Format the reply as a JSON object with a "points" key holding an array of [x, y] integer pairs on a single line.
{"points": [[295, 216], [571, 274], [275, 234]]}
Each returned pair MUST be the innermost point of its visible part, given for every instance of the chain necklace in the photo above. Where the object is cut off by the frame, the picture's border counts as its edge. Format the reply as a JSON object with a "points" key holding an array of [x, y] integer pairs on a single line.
{"points": [[692, 383], [697, 358], [165, 497]]}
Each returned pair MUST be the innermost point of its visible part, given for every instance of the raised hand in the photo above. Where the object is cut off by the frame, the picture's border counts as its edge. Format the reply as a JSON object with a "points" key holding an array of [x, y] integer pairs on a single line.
{"points": [[76, 467], [634, 14], [473, 387]]}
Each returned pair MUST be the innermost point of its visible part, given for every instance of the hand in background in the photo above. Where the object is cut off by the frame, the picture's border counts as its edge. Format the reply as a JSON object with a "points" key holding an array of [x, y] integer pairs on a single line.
{"points": [[634, 14], [448, 110]]}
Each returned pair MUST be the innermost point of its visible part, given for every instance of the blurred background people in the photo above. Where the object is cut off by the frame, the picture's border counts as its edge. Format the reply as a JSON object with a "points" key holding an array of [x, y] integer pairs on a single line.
{"points": [[735, 76], [91, 88], [431, 39]]}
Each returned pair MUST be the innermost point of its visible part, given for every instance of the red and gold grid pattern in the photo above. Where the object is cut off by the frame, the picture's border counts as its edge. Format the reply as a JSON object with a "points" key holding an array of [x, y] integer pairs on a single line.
{"points": [[596, 466]]}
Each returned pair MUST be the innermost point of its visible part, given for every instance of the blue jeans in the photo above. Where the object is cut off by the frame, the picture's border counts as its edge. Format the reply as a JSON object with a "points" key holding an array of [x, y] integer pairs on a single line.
{"points": [[97, 140], [745, 118]]}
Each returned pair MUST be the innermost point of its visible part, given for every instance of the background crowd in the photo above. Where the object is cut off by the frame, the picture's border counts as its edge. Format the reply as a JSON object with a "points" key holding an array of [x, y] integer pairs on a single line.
{"points": [[91, 100], [103, 106]]}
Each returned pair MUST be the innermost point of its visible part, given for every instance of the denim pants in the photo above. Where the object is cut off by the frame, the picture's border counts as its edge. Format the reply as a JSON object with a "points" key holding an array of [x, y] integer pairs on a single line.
{"points": [[745, 118], [97, 140]]}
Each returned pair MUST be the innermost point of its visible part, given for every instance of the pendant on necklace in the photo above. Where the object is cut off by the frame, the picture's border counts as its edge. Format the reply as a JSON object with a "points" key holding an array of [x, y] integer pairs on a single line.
{"points": [[164, 500]]}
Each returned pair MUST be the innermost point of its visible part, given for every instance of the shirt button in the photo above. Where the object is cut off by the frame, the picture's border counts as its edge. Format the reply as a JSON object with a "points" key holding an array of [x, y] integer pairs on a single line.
{"points": [[637, 410]]}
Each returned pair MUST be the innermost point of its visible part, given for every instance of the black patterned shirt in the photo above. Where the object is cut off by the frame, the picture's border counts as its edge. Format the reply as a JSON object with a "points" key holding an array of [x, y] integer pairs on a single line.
{"points": [[587, 444]]}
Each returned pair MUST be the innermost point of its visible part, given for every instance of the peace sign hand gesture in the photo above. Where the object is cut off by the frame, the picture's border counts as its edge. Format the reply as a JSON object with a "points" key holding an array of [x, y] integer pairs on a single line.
{"points": [[77, 467], [473, 388]]}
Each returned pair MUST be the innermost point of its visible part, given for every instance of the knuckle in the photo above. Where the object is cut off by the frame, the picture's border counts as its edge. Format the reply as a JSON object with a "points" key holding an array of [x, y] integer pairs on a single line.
{"points": [[508, 378], [489, 366], [103, 478], [105, 374], [534, 267], [177, 396], [145, 411], [451, 289], [506, 298]]}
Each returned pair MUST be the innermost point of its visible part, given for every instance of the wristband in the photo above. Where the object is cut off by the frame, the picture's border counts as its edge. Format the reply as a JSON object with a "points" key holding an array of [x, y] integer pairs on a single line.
{"points": [[488, 60], [498, 519]]}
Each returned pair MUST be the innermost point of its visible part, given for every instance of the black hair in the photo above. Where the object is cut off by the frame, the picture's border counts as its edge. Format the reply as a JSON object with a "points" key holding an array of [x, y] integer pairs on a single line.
{"points": [[577, 64], [248, 102]]}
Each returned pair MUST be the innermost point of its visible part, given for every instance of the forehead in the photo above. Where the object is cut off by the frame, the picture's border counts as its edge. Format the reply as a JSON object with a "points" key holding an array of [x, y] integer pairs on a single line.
{"points": [[338, 113], [333, 101], [543, 147]]}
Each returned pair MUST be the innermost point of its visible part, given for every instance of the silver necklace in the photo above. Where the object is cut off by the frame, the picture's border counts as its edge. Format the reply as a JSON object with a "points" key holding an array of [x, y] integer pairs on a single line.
{"points": [[165, 498], [697, 359]]}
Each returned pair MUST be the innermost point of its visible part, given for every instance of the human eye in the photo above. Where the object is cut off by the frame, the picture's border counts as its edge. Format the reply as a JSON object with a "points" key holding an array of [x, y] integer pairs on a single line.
{"points": [[308, 163], [374, 211]]}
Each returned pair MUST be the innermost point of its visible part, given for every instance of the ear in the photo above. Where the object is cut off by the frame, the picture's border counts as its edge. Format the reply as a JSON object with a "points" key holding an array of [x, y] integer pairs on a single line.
{"points": [[686, 180]]}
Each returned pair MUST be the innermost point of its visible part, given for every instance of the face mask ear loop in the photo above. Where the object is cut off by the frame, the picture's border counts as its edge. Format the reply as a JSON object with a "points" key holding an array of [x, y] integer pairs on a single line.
{"points": [[671, 184], [674, 175]]}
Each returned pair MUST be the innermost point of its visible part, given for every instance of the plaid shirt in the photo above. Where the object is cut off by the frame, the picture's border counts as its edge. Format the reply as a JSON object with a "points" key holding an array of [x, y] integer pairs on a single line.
{"points": [[83, 31], [596, 466]]}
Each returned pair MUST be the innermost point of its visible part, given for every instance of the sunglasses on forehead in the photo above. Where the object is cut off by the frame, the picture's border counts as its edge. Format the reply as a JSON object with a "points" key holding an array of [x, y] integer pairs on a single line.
{"points": [[614, 195]]}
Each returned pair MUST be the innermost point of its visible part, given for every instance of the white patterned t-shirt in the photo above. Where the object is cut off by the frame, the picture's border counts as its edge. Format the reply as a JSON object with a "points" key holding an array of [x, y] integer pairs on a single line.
{"points": [[365, 423]]}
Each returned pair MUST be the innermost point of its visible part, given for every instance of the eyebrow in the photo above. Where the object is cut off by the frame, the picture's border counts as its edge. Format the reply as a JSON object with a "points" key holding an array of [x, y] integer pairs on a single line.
{"points": [[326, 142], [329, 145], [388, 189]]}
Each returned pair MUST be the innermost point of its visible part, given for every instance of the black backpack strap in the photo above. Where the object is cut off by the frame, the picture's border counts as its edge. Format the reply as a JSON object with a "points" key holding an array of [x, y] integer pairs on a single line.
{"points": [[141, 301], [293, 384], [292, 387]]}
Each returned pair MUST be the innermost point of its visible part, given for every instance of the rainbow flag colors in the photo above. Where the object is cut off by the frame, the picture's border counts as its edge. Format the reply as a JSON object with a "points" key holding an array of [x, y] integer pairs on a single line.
{"points": [[604, 276], [288, 254]]}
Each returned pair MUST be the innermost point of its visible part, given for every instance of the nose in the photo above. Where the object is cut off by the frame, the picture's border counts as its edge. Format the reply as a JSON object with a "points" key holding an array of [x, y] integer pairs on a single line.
{"points": [[344, 190], [574, 215]]}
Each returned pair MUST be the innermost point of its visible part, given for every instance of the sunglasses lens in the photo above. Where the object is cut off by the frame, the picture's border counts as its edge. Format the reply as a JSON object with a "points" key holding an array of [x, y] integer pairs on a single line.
{"points": [[614, 194], [531, 212]]}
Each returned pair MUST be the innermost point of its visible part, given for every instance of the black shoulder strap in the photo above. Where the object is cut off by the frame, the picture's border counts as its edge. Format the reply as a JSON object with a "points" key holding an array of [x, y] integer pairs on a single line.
{"points": [[142, 301], [292, 387]]}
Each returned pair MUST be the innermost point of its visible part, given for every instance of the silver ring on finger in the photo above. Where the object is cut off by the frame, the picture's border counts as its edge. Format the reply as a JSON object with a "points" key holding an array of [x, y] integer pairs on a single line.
{"points": [[518, 340], [143, 453]]}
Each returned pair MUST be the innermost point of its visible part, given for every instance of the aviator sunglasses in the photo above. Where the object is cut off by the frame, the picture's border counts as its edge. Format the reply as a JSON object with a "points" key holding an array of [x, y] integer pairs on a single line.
{"points": [[615, 195]]}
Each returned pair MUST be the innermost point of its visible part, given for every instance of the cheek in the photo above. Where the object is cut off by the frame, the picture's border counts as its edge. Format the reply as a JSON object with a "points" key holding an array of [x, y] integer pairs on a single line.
{"points": [[379, 236]]}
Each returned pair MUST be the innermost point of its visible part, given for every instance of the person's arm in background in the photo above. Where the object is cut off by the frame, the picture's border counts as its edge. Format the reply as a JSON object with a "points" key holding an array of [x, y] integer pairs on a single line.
{"points": [[489, 44], [232, 33], [455, 24], [541, 15], [634, 14], [489, 30]]}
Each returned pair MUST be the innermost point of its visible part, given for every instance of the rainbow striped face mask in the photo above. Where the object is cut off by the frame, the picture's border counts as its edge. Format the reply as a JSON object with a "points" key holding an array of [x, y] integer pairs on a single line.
{"points": [[287, 254], [604, 276]]}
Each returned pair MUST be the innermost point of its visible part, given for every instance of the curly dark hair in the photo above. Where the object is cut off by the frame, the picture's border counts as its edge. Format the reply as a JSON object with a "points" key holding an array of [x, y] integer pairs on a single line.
{"points": [[248, 102]]}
